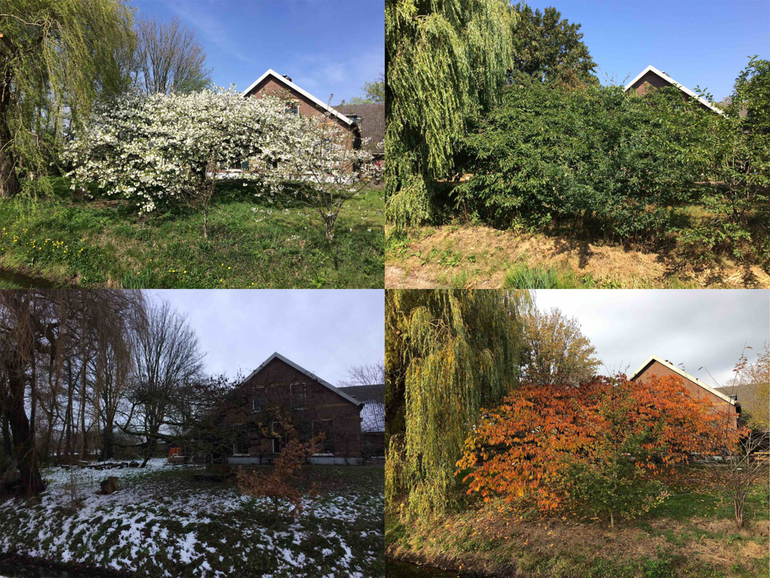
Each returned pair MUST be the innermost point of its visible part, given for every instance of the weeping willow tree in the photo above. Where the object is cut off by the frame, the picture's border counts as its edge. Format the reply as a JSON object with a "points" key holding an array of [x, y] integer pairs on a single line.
{"points": [[445, 62], [447, 354], [56, 58]]}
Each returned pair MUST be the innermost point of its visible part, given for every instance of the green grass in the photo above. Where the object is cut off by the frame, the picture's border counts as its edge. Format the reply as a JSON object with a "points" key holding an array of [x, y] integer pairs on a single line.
{"points": [[252, 243], [666, 543]]}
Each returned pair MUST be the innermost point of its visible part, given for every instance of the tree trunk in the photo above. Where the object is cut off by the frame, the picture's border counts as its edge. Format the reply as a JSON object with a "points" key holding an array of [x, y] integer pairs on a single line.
{"points": [[23, 436], [108, 442], [9, 182], [738, 508], [7, 441]]}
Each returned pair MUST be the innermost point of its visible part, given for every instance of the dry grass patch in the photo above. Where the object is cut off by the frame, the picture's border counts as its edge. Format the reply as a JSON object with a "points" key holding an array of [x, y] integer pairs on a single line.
{"points": [[482, 257]]}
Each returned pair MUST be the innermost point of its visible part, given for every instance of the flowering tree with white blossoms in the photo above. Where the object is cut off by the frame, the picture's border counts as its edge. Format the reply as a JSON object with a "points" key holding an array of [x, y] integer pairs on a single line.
{"points": [[159, 148], [328, 171]]}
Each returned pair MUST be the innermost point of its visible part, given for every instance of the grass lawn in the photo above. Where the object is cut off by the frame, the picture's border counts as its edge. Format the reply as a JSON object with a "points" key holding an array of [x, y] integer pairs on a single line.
{"points": [[689, 535], [463, 255], [252, 243], [163, 522]]}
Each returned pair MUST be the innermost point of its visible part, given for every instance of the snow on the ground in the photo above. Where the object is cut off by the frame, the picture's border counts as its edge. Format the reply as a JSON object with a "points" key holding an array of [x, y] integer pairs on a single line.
{"points": [[135, 522]]}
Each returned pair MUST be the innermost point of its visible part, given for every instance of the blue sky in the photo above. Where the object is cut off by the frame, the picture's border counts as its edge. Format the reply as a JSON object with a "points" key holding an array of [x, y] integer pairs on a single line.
{"points": [[325, 46], [698, 43]]}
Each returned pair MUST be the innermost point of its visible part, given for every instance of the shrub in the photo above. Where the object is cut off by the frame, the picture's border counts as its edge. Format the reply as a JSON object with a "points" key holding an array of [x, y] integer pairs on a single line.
{"points": [[594, 157], [599, 447]]}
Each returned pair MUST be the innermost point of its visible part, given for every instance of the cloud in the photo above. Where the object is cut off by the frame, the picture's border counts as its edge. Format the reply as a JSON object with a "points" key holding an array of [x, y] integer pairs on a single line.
{"points": [[202, 15], [703, 331], [343, 75], [324, 331]]}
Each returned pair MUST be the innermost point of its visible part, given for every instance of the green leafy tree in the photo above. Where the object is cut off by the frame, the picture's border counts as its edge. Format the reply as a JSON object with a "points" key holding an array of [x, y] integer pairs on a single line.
{"points": [[595, 159], [374, 92], [738, 149], [448, 353], [57, 57], [446, 61], [550, 49], [555, 350]]}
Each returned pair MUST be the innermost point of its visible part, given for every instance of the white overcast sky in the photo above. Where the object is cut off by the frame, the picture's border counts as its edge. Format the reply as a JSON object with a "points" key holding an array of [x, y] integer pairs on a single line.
{"points": [[323, 331], [698, 328]]}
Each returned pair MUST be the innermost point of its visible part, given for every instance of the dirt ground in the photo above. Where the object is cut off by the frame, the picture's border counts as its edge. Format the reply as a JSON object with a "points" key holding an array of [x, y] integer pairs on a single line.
{"points": [[480, 257]]}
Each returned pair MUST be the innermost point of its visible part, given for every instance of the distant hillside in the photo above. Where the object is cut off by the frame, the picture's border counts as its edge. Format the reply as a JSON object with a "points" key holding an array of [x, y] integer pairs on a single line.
{"points": [[749, 397]]}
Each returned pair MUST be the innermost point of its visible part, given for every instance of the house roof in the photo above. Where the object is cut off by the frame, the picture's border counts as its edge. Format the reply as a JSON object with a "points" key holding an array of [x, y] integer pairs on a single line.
{"points": [[670, 80], [373, 125], [684, 374], [291, 86], [311, 375], [373, 412]]}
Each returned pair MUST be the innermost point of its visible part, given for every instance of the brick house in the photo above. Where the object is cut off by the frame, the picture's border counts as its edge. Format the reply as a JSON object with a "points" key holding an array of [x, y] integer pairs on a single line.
{"points": [[651, 77], [372, 417], [298, 101], [314, 406], [370, 120], [656, 367]]}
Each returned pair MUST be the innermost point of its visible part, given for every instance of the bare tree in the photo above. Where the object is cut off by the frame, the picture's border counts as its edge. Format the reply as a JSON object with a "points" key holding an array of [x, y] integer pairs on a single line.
{"points": [[169, 58], [366, 374], [733, 465], [166, 358]]}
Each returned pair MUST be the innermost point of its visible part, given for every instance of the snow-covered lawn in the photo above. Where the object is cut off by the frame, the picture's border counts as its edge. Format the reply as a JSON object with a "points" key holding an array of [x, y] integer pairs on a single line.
{"points": [[162, 522]]}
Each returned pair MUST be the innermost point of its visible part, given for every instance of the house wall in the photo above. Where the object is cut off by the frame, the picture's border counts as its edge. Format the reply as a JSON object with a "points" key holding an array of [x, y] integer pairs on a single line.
{"points": [[272, 385], [651, 80], [270, 86], [658, 370]]}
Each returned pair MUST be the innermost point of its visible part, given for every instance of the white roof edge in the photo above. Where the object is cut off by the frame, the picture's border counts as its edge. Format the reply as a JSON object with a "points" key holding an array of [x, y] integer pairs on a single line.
{"points": [[681, 87], [290, 84], [310, 374], [684, 374]]}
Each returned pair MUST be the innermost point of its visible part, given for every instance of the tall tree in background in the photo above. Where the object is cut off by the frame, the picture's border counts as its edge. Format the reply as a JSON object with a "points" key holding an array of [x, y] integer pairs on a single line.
{"points": [[448, 353], [166, 358], [550, 49], [169, 58], [374, 92], [367, 374], [555, 350], [445, 61], [56, 58], [49, 341]]}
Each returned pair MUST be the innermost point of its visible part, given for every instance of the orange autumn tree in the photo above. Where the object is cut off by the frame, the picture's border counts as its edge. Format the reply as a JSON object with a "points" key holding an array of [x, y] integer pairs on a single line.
{"points": [[601, 447]]}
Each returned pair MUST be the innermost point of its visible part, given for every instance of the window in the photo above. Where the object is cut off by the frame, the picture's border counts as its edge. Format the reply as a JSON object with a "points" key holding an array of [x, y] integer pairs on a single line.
{"points": [[257, 404], [275, 427], [242, 444], [292, 107], [325, 427], [298, 395]]}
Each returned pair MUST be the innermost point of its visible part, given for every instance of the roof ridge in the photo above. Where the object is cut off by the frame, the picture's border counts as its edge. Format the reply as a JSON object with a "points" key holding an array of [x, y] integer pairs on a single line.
{"points": [[290, 84], [684, 374], [666, 77], [301, 369]]}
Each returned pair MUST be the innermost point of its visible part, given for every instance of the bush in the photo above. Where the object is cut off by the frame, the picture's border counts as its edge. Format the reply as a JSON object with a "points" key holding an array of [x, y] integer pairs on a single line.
{"points": [[594, 157]]}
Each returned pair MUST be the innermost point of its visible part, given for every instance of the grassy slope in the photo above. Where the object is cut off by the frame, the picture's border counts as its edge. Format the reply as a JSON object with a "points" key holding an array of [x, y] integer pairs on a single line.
{"points": [[105, 243], [163, 522], [482, 257], [689, 535]]}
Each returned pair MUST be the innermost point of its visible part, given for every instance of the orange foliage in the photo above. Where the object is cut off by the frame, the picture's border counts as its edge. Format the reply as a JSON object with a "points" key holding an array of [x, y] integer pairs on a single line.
{"points": [[522, 449], [280, 483]]}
